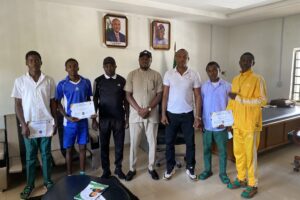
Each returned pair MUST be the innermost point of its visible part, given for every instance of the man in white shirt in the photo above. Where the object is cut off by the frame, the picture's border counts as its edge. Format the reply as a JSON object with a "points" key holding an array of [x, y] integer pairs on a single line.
{"points": [[34, 101], [181, 89]]}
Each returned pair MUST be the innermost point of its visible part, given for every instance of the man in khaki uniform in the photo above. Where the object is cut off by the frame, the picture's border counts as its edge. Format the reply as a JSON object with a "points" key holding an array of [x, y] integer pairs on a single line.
{"points": [[143, 92]]}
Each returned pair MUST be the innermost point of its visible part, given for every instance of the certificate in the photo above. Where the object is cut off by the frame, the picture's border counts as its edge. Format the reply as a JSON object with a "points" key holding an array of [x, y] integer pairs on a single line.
{"points": [[83, 110], [222, 118], [43, 128]]}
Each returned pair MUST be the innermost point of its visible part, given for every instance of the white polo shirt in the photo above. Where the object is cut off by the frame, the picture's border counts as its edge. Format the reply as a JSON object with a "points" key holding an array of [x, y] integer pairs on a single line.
{"points": [[35, 96], [181, 92]]}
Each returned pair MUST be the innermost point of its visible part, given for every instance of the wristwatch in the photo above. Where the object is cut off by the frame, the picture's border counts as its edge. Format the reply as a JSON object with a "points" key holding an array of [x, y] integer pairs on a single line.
{"points": [[149, 109]]}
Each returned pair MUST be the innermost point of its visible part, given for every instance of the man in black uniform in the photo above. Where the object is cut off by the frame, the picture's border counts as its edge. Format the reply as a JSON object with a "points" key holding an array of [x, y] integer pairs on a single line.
{"points": [[109, 100]]}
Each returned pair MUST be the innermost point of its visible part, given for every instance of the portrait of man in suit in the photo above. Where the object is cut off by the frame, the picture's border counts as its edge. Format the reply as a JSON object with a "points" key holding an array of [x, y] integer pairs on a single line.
{"points": [[115, 31]]}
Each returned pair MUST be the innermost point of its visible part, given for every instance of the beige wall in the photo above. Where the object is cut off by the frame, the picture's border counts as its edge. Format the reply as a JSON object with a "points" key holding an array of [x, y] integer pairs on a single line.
{"points": [[60, 31]]}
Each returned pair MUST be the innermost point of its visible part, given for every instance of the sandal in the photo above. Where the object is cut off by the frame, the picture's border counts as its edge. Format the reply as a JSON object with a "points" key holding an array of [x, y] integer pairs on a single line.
{"points": [[26, 192], [249, 192], [49, 185], [237, 184], [204, 175], [224, 178]]}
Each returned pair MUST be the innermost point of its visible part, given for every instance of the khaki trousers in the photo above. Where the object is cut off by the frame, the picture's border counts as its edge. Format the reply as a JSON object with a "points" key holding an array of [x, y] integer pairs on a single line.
{"points": [[136, 129]]}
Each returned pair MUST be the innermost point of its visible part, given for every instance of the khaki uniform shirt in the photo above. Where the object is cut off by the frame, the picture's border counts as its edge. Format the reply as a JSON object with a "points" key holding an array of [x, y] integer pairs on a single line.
{"points": [[144, 85]]}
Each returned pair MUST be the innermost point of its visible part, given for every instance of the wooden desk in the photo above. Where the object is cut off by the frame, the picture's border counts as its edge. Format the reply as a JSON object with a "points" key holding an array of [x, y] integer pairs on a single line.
{"points": [[277, 123]]}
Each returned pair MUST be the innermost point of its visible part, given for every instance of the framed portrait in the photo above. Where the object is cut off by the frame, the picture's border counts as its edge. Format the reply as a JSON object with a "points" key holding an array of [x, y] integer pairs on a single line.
{"points": [[115, 30], [160, 35]]}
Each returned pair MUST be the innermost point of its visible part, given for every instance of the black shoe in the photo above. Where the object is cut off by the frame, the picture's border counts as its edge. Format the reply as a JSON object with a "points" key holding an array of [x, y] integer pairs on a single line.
{"points": [[130, 175], [153, 174], [119, 173], [106, 174]]}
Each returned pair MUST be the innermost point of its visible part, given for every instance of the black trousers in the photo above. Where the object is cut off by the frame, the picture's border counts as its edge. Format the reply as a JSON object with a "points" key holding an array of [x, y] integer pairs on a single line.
{"points": [[117, 127], [183, 122]]}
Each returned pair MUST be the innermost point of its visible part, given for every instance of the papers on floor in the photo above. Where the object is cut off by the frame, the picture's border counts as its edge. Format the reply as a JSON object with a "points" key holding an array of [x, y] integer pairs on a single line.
{"points": [[92, 192], [224, 118], [43, 128], [82, 110]]}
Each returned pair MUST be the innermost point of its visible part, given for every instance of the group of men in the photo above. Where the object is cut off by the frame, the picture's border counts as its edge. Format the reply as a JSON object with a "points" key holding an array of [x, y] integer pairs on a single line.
{"points": [[134, 102]]}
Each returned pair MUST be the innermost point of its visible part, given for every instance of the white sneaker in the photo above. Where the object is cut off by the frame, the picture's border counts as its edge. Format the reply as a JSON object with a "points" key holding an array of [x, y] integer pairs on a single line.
{"points": [[167, 175], [191, 174]]}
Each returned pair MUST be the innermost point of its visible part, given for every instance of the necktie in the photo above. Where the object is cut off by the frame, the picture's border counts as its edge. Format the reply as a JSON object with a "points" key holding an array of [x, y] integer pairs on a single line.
{"points": [[118, 37]]}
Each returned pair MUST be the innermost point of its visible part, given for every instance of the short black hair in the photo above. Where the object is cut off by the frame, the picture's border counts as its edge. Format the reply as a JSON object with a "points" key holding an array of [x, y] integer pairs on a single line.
{"points": [[70, 60], [33, 53], [213, 63], [248, 54]]}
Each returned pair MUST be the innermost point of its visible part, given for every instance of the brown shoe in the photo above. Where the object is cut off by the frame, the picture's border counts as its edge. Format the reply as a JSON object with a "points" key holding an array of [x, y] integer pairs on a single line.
{"points": [[237, 184], [249, 192]]}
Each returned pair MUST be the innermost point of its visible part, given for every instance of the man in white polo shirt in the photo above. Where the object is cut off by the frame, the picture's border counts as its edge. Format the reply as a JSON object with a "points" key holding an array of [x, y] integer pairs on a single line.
{"points": [[34, 102], [181, 89]]}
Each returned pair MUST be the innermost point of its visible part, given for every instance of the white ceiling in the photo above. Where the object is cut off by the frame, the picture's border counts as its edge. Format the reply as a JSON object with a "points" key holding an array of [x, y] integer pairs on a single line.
{"points": [[222, 12]]}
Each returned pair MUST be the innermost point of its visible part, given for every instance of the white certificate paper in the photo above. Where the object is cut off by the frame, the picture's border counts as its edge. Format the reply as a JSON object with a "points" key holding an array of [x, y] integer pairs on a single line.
{"points": [[222, 118], [43, 128], [82, 110]]}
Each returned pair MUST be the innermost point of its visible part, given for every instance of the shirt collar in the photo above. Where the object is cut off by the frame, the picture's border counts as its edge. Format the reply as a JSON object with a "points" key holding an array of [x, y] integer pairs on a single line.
{"points": [[220, 82], [68, 78], [187, 71], [250, 71], [108, 77], [42, 76]]}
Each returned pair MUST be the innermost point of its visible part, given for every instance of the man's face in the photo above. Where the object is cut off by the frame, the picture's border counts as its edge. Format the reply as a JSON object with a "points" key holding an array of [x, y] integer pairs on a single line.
{"points": [[161, 34], [246, 62], [34, 63], [116, 25], [181, 58], [72, 68], [213, 73], [145, 62], [109, 69]]}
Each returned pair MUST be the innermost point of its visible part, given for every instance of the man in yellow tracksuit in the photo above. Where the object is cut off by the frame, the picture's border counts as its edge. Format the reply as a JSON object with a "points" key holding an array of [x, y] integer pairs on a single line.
{"points": [[247, 97]]}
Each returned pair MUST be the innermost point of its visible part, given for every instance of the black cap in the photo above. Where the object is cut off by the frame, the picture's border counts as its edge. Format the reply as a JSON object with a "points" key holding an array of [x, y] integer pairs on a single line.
{"points": [[145, 53], [109, 60]]}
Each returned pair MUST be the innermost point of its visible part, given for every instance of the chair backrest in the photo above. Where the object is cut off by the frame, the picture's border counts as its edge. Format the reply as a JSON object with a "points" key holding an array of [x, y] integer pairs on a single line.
{"points": [[13, 143], [11, 126]]}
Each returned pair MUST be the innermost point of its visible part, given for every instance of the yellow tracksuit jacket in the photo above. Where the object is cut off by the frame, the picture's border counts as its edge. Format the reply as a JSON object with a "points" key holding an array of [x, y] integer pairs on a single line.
{"points": [[246, 107], [251, 96]]}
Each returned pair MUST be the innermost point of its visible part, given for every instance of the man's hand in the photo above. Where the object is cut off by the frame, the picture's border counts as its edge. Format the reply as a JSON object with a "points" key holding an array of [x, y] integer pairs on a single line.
{"points": [[143, 112], [197, 123], [126, 123], [54, 129], [94, 116], [95, 124], [25, 130], [164, 120], [72, 119], [221, 126], [229, 128], [232, 95]]}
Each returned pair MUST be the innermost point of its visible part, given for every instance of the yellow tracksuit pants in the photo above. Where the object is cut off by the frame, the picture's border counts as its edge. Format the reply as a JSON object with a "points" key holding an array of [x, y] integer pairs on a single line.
{"points": [[245, 145]]}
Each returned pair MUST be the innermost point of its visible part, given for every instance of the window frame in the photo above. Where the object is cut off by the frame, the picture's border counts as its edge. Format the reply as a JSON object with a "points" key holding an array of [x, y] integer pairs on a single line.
{"points": [[294, 76]]}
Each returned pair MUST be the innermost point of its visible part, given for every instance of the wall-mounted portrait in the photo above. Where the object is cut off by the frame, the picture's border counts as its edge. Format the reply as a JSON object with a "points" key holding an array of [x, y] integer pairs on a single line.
{"points": [[115, 30], [160, 35]]}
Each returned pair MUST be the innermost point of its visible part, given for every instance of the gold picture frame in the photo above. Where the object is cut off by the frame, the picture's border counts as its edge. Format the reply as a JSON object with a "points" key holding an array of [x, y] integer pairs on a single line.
{"points": [[115, 30], [160, 35]]}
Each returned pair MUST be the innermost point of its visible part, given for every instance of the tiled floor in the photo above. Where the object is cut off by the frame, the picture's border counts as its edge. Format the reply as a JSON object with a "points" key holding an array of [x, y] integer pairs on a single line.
{"points": [[276, 179]]}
